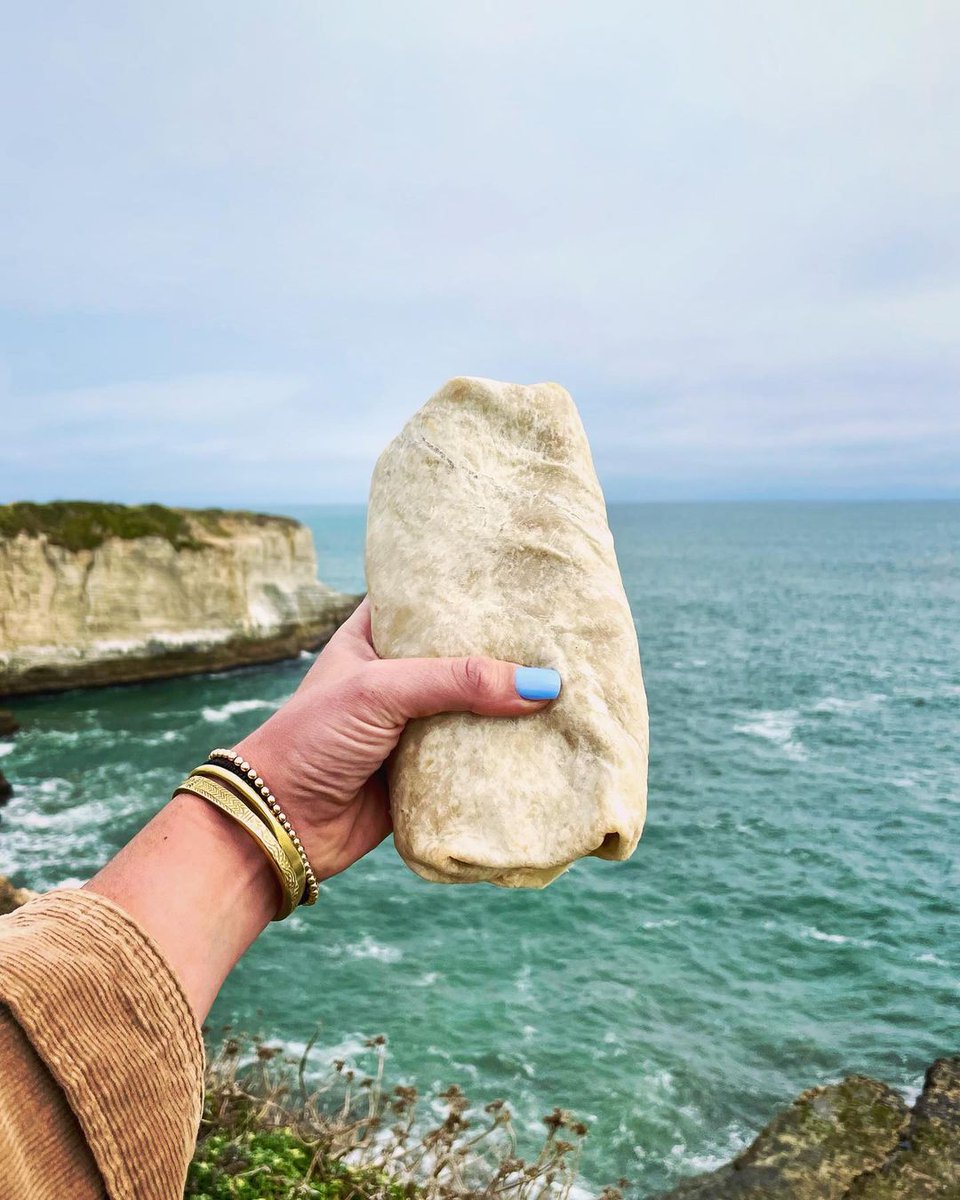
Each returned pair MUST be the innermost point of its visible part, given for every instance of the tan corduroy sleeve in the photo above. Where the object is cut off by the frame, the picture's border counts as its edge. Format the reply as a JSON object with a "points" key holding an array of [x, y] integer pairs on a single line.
{"points": [[43, 1153], [110, 1059]]}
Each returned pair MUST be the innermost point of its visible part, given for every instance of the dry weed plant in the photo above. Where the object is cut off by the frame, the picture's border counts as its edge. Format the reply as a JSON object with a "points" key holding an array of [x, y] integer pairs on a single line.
{"points": [[273, 1127]]}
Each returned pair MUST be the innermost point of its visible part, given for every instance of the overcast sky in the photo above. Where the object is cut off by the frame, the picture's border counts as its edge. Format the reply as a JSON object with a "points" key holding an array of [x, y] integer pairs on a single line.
{"points": [[240, 242]]}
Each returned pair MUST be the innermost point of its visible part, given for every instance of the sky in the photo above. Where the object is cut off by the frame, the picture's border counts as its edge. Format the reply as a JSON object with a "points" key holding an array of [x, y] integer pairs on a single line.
{"points": [[242, 242]]}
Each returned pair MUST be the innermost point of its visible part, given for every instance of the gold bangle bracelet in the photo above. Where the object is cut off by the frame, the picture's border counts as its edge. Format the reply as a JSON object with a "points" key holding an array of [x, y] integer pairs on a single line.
{"points": [[243, 769], [217, 795], [259, 808]]}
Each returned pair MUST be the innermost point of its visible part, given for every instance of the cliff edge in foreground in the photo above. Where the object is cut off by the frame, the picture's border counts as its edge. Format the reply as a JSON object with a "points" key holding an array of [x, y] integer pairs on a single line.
{"points": [[95, 594]]}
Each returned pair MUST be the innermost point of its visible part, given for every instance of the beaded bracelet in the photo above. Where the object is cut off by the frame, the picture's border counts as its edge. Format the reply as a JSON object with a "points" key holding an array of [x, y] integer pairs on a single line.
{"points": [[243, 770]]}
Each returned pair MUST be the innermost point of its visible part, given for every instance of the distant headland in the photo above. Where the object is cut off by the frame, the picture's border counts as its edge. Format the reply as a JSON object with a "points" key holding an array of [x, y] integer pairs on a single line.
{"points": [[95, 593]]}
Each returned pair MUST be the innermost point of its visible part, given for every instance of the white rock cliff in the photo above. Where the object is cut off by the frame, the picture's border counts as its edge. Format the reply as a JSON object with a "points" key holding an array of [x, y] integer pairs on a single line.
{"points": [[235, 589]]}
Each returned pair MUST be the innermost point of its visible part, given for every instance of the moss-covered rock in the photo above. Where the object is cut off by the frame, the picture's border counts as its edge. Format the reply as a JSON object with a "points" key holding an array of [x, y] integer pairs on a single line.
{"points": [[814, 1150], [926, 1163], [12, 898]]}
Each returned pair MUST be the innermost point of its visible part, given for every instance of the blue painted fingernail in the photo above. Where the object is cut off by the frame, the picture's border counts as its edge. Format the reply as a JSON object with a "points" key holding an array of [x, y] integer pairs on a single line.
{"points": [[537, 683]]}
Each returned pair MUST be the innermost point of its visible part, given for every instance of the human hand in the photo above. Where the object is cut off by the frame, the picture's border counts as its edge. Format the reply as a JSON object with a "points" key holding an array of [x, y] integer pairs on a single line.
{"points": [[322, 753]]}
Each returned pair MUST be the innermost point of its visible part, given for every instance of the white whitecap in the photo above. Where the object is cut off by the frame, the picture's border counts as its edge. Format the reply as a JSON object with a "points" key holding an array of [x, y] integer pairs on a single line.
{"points": [[170, 735], [777, 726], [839, 704], [932, 959], [6, 748], [834, 939], [234, 707], [368, 948], [712, 1157], [522, 980], [911, 1092]]}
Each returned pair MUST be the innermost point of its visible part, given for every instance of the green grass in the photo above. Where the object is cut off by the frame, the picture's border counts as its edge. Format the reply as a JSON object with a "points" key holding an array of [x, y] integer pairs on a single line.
{"points": [[87, 524], [274, 1164]]}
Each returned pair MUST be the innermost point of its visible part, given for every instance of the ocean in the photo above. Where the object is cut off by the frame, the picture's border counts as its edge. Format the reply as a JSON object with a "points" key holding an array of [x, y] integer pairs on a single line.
{"points": [[790, 916]]}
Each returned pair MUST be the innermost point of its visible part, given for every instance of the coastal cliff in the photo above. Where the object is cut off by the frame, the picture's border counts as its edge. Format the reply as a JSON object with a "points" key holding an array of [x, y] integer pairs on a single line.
{"points": [[94, 594]]}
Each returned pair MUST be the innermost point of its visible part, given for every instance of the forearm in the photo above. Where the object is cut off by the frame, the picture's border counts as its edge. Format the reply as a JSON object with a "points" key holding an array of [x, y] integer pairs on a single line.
{"points": [[199, 886]]}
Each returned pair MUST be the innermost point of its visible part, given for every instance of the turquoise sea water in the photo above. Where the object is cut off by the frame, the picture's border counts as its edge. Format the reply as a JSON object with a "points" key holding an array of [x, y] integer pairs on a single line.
{"points": [[790, 916]]}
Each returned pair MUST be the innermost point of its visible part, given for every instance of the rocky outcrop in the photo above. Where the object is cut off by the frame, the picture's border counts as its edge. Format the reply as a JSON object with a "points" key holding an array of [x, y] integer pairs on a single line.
{"points": [[9, 725], [854, 1140], [926, 1163], [487, 534], [101, 594], [12, 897]]}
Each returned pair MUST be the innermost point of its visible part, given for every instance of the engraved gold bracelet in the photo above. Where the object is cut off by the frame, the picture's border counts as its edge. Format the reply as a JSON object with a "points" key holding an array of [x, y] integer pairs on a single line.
{"points": [[237, 764], [224, 799], [259, 808]]}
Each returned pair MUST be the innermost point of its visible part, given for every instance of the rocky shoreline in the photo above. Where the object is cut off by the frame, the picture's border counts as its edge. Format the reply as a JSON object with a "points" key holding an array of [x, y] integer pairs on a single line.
{"points": [[97, 594], [853, 1140]]}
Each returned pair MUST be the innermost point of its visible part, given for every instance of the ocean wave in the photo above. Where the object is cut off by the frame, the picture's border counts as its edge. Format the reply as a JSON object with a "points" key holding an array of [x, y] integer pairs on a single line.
{"points": [[7, 748], [930, 958], [234, 707], [65, 737], [713, 1156], [777, 726], [68, 817], [911, 1092], [523, 978], [837, 704], [349, 1050], [835, 939], [171, 735], [366, 948]]}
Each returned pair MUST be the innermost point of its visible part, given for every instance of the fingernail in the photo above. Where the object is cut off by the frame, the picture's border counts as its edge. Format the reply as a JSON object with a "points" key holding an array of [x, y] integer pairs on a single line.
{"points": [[537, 683]]}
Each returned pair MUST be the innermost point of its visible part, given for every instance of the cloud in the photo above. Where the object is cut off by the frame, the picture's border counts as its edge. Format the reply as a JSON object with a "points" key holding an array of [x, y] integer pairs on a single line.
{"points": [[730, 229]]}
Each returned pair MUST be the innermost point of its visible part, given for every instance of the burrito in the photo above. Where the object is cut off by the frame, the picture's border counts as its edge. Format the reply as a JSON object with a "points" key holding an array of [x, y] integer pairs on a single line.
{"points": [[487, 534]]}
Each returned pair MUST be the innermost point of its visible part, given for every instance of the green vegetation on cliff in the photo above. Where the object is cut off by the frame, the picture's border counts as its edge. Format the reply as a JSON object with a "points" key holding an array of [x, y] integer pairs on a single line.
{"points": [[269, 1134], [86, 524]]}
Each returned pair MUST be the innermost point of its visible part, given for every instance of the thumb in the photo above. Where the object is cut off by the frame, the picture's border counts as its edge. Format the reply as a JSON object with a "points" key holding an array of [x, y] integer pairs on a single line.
{"points": [[422, 687]]}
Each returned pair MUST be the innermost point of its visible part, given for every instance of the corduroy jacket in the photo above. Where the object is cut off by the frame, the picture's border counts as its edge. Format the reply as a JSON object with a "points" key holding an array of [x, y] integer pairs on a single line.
{"points": [[101, 1058]]}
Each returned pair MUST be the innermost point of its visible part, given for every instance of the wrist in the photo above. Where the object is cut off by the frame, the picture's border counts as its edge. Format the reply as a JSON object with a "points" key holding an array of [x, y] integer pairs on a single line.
{"points": [[199, 886], [268, 752], [227, 849]]}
